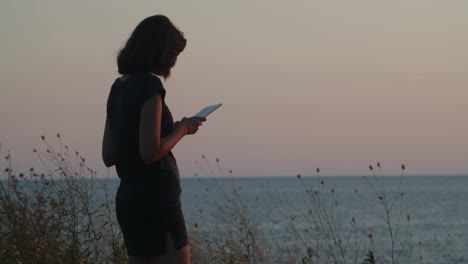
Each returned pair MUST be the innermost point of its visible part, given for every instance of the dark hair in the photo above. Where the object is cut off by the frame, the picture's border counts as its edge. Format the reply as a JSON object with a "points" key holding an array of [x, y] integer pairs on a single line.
{"points": [[153, 47]]}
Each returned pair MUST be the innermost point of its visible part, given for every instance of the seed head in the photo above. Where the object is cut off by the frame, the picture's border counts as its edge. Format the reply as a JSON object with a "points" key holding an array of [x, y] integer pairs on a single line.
{"points": [[317, 170], [403, 167], [371, 168], [298, 176], [378, 164], [43, 137]]}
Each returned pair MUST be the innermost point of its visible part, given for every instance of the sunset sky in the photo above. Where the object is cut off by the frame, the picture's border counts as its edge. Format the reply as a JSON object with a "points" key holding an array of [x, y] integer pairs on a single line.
{"points": [[305, 84]]}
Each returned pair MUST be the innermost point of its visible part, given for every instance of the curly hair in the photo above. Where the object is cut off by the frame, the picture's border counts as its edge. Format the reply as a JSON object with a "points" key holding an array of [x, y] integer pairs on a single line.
{"points": [[152, 47]]}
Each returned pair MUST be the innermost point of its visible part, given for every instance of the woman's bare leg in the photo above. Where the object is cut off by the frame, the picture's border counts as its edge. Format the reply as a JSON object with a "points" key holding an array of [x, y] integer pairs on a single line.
{"points": [[142, 260]]}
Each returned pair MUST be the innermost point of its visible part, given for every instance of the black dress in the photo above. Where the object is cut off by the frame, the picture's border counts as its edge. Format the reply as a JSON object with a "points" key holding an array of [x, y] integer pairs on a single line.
{"points": [[148, 199]]}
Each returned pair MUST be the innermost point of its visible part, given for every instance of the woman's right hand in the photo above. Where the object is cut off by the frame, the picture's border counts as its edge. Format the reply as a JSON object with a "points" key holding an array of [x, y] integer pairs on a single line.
{"points": [[191, 124]]}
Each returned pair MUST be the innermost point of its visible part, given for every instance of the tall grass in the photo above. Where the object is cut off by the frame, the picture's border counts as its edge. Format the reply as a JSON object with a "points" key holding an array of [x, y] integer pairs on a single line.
{"points": [[65, 214], [55, 216], [315, 226]]}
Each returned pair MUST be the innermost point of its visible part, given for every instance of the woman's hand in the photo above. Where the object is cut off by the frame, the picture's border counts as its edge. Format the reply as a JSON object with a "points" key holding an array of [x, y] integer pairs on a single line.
{"points": [[191, 124]]}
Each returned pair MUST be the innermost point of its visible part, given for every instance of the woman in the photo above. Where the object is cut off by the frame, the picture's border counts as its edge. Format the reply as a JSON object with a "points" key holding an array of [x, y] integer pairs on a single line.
{"points": [[138, 138]]}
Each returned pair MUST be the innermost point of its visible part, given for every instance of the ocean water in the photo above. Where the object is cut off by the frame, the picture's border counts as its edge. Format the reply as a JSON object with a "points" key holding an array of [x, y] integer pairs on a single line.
{"points": [[435, 207], [429, 213]]}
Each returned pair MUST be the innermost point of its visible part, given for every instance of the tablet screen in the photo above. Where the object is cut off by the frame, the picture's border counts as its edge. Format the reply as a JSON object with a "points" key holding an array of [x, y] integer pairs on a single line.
{"points": [[208, 110]]}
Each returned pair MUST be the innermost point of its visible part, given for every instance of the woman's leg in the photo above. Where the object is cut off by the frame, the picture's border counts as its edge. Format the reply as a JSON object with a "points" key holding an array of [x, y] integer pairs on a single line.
{"points": [[174, 256], [142, 260]]}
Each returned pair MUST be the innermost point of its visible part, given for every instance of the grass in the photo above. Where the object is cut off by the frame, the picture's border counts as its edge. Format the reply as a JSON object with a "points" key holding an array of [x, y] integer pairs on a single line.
{"points": [[66, 215]]}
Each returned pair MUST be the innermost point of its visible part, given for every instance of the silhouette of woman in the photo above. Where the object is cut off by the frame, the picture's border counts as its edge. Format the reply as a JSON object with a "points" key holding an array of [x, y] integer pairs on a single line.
{"points": [[138, 138]]}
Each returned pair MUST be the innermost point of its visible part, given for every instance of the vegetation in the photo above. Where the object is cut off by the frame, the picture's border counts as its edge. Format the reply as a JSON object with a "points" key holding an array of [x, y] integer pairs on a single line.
{"points": [[66, 215]]}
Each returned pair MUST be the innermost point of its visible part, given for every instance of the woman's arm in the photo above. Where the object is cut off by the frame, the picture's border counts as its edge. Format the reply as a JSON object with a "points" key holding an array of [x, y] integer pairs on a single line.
{"points": [[107, 151], [152, 146]]}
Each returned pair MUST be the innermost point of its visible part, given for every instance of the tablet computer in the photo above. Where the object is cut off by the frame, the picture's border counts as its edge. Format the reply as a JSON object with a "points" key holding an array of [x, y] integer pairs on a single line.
{"points": [[208, 110]]}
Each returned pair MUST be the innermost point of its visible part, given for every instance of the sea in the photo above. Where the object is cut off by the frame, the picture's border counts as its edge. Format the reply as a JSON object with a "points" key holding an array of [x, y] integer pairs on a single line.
{"points": [[428, 214], [419, 219]]}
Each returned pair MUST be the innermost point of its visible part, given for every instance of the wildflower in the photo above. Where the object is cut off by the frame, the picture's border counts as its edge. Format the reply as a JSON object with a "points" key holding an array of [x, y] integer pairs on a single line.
{"points": [[34, 150], [310, 211], [298, 176], [378, 164], [380, 197], [403, 167], [230, 171], [356, 190], [196, 225], [43, 137], [318, 170], [203, 156], [371, 168], [322, 182], [408, 217], [77, 153], [316, 192], [369, 235], [31, 169], [58, 135], [200, 210], [333, 190], [217, 160], [353, 220]]}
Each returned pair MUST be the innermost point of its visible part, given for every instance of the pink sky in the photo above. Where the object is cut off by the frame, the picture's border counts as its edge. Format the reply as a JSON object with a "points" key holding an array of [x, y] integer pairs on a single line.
{"points": [[305, 84]]}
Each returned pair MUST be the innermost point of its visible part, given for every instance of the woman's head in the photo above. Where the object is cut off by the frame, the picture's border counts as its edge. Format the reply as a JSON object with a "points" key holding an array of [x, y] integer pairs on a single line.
{"points": [[153, 47]]}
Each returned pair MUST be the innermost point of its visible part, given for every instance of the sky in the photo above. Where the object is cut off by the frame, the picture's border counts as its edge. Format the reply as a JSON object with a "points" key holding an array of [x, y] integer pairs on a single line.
{"points": [[335, 85]]}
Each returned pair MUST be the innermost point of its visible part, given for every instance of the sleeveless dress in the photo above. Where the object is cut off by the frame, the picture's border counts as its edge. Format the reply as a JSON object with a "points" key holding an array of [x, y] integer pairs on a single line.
{"points": [[148, 199]]}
